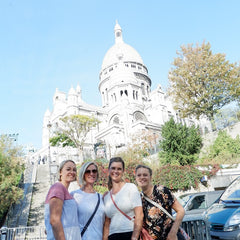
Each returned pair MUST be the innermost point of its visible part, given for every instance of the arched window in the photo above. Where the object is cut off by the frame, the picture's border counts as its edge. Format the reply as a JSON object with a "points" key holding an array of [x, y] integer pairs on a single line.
{"points": [[139, 116], [115, 119]]}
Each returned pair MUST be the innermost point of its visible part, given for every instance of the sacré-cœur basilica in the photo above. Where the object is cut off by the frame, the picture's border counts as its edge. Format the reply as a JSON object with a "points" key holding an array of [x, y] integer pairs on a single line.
{"points": [[130, 109]]}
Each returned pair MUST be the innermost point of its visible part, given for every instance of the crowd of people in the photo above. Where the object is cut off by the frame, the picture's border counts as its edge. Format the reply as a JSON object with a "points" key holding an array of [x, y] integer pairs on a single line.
{"points": [[119, 214]]}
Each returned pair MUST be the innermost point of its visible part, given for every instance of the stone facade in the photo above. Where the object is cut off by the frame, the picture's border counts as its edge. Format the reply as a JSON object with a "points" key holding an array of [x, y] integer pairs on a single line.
{"points": [[129, 106]]}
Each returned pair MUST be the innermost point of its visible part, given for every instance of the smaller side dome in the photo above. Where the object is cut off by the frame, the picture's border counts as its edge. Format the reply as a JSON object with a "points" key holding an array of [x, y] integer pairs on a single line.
{"points": [[78, 89], [72, 91]]}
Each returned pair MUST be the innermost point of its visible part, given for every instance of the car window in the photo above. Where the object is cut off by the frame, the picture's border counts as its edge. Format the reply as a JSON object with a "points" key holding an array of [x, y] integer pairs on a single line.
{"points": [[232, 192], [198, 202], [211, 198], [183, 199]]}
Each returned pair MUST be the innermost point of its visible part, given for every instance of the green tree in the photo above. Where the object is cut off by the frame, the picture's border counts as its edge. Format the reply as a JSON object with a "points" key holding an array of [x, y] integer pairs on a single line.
{"points": [[225, 147], [202, 82], [180, 144], [72, 131], [11, 169]]}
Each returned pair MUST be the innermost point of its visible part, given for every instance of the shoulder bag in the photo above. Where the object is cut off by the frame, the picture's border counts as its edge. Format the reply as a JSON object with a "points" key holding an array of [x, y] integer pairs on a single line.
{"points": [[144, 235], [182, 231], [90, 219]]}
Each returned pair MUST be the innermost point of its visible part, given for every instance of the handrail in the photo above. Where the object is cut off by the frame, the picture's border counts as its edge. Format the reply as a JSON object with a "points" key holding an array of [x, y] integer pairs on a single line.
{"points": [[196, 229]]}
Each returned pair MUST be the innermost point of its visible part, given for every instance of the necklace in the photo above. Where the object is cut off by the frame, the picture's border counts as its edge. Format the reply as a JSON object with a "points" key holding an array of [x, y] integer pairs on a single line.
{"points": [[148, 191], [87, 190]]}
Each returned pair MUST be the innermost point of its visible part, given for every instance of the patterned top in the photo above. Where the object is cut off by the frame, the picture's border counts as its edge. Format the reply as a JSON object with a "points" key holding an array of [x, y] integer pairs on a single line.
{"points": [[156, 221]]}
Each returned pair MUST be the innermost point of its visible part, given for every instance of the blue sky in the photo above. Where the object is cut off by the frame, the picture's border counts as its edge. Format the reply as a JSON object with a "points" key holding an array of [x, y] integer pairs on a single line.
{"points": [[51, 44]]}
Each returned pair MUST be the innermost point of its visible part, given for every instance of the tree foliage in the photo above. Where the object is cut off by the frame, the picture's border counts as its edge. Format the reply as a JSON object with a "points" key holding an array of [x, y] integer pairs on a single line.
{"points": [[225, 147], [143, 144], [61, 139], [202, 82], [73, 130], [180, 144], [11, 170]]}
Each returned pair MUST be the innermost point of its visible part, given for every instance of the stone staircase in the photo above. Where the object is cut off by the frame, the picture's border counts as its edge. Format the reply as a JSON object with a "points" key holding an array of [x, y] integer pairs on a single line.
{"points": [[40, 189]]}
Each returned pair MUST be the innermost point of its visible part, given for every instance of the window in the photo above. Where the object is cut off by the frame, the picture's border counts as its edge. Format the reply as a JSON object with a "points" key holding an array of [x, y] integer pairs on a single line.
{"points": [[139, 116], [198, 202]]}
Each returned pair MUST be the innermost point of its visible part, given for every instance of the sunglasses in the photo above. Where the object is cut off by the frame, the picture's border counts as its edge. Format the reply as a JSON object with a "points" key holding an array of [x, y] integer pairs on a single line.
{"points": [[89, 171]]}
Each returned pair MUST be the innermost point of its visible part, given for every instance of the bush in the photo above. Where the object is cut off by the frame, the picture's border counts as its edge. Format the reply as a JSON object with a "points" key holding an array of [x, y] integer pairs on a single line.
{"points": [[177, 177], [11, 171]]}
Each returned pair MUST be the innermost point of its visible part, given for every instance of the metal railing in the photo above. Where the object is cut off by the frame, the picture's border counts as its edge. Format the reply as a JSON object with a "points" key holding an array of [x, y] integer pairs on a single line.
{"points": [[23, 233], [196, 229]]}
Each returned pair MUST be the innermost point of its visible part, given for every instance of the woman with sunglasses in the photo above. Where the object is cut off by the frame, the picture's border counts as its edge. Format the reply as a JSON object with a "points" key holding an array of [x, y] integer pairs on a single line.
{"points": [[89, 201], [123, 205]]}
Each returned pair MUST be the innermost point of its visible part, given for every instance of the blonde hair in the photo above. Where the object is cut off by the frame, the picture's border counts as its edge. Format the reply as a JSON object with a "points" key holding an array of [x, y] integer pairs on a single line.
{"points": [[82, 171], [61, 167]]}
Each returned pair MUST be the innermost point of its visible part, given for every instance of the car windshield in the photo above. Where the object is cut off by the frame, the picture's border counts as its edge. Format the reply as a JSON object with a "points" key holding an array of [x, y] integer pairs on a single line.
{"points": [[183, 199], [232, 192]]}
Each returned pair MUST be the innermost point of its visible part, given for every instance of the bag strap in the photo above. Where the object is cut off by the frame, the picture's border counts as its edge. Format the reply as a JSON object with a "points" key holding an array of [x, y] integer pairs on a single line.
{"points": [[159, 206], [119, 208], [90, 219]]}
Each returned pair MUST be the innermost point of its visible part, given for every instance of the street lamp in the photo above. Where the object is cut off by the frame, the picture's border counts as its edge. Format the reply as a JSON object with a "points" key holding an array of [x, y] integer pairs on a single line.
{"points": [[53, 167], [49, 125]]}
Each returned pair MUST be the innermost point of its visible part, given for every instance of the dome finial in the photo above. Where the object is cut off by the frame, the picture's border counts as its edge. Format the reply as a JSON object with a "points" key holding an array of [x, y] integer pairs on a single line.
{"points": [[118, 33]]}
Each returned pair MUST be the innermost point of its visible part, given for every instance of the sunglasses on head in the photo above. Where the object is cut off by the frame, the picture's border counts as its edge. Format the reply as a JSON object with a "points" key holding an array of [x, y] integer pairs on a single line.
{"points": [[89, 171]]}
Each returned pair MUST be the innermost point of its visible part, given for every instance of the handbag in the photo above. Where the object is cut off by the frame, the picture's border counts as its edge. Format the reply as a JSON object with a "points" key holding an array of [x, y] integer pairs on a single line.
{"points": [[181, 230], [90, 219], [144, 235]]}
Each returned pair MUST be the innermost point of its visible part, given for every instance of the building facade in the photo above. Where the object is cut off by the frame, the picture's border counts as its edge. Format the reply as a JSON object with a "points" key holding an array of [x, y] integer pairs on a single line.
{"points": [[130, 109]]}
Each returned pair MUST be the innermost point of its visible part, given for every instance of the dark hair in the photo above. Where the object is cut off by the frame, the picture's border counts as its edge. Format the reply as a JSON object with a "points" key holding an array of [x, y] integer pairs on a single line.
{"points": [[112, 160], [143, 166]]}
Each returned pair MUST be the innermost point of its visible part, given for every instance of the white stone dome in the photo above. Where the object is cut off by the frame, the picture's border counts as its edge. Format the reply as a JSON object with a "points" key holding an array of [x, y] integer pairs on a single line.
{"points": [[120, 51]]}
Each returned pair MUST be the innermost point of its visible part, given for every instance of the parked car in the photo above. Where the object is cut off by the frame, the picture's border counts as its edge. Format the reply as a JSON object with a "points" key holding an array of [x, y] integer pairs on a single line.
{"points": [[223, 217], [196, 203]]}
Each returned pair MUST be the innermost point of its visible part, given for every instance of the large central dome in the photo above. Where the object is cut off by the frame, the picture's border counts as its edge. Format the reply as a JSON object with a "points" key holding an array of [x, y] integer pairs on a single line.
{"points": [[120, 51]]}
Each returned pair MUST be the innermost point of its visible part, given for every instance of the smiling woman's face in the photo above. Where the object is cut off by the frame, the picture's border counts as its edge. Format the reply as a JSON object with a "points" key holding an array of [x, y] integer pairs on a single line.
{"points": [[143, 177], [116, 171], [91, 173], [68, 172]]}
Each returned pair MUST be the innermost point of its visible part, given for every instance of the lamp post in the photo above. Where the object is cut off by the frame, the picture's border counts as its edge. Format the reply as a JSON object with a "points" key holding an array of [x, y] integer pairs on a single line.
{"points": [[49, 125], [53, 166]]}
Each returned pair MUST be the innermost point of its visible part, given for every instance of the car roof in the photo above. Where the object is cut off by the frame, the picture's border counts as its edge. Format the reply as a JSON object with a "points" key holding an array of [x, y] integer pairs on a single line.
{"points": [[201, 193]]}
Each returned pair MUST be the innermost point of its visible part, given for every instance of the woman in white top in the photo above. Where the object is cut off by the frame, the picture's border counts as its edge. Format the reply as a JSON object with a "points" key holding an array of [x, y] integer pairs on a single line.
{"points": [[127, 198], [87, 200]]}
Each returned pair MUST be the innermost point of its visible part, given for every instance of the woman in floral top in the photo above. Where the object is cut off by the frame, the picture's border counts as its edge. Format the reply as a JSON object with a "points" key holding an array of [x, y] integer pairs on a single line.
{"points": [[158, 224]]}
